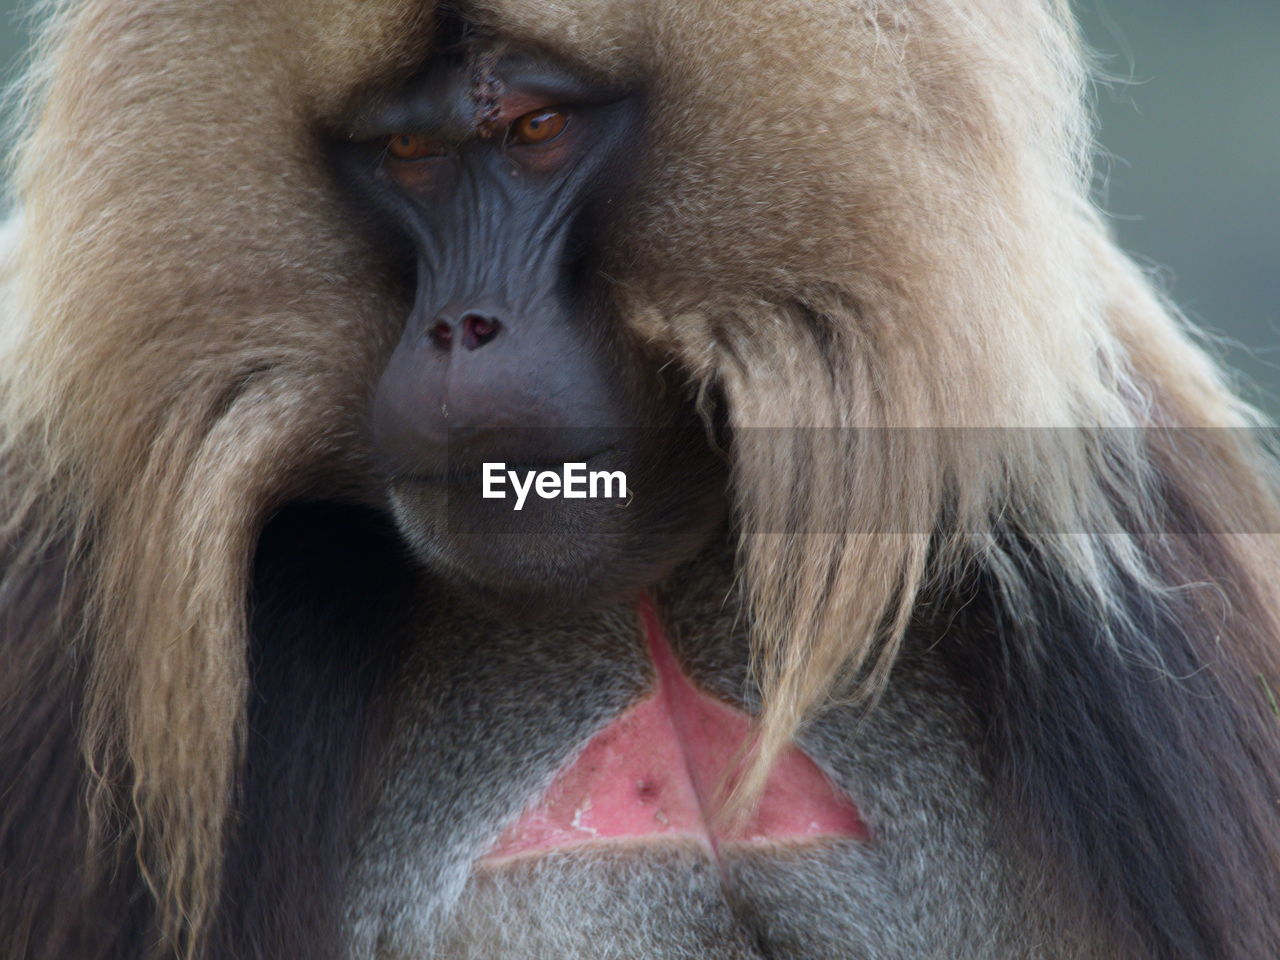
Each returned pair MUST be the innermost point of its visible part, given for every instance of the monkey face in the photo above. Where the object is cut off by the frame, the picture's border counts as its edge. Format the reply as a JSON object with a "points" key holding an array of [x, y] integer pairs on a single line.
{"points": [[495, 184]]}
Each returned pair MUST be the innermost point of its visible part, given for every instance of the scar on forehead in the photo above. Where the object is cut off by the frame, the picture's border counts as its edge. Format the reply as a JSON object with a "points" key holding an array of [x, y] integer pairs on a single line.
{"points": [[486, 91]]}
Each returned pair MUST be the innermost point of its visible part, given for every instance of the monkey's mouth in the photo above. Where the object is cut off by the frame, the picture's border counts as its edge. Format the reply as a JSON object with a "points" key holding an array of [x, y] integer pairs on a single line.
{"points": [[655, 773]]}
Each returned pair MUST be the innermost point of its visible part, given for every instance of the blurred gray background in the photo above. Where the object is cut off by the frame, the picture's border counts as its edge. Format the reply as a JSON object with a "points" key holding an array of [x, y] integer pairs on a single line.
{"points": [[1190, 171]]}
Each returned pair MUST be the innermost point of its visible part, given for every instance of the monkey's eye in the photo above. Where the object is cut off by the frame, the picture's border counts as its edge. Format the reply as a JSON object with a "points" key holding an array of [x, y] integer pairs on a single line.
{"points": [[537, 126], [410, 146]]}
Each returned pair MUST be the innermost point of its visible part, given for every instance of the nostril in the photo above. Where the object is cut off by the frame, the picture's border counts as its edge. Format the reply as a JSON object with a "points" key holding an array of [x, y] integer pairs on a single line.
{"points": [[441, 335], [477, 330]]}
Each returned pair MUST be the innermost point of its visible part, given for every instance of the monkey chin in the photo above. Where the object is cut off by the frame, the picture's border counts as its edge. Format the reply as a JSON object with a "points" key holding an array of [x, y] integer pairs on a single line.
{"points": [[553, 556]]}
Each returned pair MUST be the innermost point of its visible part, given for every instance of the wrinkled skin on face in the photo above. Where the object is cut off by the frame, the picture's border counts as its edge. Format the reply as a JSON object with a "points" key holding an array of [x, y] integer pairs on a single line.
{"points": [[497, 181]]}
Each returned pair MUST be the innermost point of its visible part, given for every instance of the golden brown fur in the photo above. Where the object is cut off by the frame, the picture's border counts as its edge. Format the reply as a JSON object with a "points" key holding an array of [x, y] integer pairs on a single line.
{"points": [[870, 214]]}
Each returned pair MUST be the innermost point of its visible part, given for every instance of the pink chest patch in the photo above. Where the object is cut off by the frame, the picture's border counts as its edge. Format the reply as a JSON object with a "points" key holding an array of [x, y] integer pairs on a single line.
{"points": [[653, 772]]}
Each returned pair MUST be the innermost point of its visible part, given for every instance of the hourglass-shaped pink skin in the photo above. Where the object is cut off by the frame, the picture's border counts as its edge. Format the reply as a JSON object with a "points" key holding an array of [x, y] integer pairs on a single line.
{"points": [[653, 773]]}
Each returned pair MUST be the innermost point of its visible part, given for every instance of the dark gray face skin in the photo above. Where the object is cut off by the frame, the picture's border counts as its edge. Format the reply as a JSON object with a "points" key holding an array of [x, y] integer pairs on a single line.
{"points": [[935, 882], [512, 352]]}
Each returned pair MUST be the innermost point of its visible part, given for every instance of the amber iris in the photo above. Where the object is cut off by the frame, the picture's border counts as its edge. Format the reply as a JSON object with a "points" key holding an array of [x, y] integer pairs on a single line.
{"points": [[410, 146], [538, 126]]}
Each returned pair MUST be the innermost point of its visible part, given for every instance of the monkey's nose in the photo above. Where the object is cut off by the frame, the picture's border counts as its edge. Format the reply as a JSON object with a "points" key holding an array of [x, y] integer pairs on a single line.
{"points": [[473, 329]]}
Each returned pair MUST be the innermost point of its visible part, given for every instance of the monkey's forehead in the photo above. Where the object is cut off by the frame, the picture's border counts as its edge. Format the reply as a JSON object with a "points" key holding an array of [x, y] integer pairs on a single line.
{"points": [[384, 41], [681, 43], [477, 91]]}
